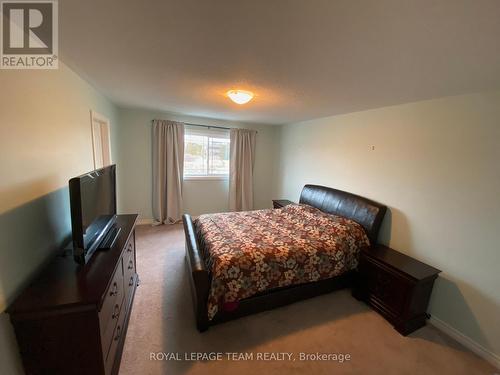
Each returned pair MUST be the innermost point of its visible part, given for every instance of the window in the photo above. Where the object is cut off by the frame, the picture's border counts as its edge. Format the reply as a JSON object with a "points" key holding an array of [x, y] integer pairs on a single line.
{"points": [[206, 153]]}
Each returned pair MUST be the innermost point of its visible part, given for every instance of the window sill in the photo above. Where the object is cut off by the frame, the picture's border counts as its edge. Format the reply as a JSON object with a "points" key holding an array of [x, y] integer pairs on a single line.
{"points": [[206, 178]]}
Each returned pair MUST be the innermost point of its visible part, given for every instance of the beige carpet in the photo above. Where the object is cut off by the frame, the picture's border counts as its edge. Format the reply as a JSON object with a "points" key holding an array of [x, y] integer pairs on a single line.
{"points": [[162, 321]]}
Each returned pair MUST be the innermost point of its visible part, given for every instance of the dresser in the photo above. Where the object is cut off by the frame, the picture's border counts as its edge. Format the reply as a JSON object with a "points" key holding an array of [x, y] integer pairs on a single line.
{"points": [[72, 319], [396, 285]]}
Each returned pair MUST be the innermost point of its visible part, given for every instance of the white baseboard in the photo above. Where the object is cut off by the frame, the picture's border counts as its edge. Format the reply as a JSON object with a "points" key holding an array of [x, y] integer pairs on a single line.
{"points": [[145, 221], [466, 341]]}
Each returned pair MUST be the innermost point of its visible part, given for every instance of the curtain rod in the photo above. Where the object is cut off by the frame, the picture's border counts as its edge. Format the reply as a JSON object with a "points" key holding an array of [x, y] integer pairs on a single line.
{"points": [[208, 126], [211, 126]]}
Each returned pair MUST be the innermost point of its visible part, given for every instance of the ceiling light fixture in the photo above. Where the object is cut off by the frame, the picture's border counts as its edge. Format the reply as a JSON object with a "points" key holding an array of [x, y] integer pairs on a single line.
{"points": [[240, 96]]}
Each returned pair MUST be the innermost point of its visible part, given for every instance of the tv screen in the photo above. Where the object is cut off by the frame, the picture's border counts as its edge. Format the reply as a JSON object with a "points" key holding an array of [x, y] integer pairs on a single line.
{"points": [[93, 209]]}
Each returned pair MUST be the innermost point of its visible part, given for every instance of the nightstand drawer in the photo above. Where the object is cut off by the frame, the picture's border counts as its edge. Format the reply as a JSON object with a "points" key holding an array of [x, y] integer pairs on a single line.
{"points": [[389, 289]]}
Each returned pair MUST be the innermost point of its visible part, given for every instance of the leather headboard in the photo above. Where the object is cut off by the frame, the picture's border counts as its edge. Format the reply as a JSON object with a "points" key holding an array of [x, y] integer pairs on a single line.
{"points": [[367, 213]]}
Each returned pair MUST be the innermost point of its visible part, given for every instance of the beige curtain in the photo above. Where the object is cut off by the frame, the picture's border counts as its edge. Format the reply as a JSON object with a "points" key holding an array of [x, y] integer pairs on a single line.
{"points": [[168, 168], [241, 161]]}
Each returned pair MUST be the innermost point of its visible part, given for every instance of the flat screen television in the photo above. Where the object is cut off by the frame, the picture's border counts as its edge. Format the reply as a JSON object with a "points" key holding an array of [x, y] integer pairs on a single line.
{"points": [[93, 212]]}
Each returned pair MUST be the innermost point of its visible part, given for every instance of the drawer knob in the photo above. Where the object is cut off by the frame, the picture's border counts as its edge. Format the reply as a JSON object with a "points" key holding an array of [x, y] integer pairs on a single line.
{"points": [[131, 282], [130, 265], [116, 312], [114, 291], [118, 333]]}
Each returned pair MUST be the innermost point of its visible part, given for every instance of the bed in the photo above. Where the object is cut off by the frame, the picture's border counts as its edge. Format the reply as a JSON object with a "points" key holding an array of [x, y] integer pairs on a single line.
{"points": [[243, 263]]}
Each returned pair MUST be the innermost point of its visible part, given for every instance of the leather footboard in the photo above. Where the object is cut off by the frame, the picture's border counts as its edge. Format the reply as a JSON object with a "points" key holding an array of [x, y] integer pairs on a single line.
{"points": [[199, 277]]}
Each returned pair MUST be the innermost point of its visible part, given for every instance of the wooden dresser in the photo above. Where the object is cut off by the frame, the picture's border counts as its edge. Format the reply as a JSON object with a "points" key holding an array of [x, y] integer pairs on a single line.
{"points": [[73, 319], [396, 285]]}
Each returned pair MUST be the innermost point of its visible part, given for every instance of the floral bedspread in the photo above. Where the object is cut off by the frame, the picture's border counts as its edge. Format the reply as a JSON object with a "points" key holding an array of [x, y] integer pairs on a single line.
{"points": [[253, 251]]}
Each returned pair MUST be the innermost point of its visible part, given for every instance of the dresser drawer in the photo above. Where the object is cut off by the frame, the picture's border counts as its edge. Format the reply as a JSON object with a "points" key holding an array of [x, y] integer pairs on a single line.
{"points": [[111, 307], [130, 246], [118, 332], [129, 270], [129, 284]]}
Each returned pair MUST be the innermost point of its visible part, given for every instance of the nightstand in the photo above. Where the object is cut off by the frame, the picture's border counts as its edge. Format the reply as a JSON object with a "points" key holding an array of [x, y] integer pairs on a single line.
{"points": [[395, 285], [278, 203]]}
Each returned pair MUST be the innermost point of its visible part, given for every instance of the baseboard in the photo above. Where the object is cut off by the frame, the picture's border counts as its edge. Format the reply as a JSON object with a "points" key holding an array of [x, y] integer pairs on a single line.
{"points": [[145, 221], [150, 221], [470, 344]]}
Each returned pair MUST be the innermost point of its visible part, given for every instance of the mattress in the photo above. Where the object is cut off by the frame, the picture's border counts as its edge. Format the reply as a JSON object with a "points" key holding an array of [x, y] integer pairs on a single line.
{"points": [[255, 251]]}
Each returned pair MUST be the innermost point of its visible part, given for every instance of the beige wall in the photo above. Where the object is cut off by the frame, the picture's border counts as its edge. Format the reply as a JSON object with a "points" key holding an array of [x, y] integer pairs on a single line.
{"points": [[436, 165], [134, 165], [45, 138]]}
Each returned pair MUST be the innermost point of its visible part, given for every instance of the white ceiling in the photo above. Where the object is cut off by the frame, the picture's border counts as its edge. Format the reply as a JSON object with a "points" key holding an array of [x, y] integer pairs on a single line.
{"points": [[303, 58]]}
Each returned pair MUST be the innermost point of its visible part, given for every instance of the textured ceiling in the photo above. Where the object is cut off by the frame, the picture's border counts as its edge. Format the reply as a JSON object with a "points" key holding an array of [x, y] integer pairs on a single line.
{"points": [[303, 58]]}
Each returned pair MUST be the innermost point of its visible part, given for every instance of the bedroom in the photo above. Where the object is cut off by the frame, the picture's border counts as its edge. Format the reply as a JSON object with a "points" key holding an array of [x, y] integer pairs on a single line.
{"points": [[394, 102]]}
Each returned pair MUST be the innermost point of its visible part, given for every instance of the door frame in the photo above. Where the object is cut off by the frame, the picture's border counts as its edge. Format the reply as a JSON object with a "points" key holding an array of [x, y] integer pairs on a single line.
{"points": [[100, 120]]}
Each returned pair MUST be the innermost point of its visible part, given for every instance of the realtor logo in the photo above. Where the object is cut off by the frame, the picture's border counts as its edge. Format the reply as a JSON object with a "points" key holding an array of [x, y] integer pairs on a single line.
{"points": [[29, 35]]}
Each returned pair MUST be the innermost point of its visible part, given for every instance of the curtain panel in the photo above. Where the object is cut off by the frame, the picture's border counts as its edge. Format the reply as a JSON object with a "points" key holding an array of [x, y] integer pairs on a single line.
{"points": [[168, 169], [241, 162]]}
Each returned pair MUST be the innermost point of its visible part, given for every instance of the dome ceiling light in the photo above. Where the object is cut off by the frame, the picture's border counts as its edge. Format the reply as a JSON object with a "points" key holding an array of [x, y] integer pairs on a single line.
{"points": [[240, 96]]}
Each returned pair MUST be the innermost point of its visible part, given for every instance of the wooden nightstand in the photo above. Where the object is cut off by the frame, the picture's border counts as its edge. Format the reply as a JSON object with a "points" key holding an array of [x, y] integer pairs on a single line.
{"points": [[278, 203], [396, 285]]}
